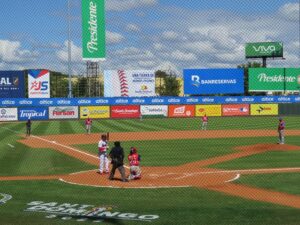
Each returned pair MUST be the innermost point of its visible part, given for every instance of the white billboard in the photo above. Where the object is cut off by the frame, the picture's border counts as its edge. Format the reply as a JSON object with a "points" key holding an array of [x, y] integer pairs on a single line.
{"points": [[154, 110], [63, 112], [8, 114], [129, 83], [38, 84]]}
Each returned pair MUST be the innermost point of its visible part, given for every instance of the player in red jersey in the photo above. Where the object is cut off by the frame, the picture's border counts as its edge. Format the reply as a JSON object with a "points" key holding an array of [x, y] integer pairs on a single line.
{"points": [[134, 161], [88, 125], [204, 122]]}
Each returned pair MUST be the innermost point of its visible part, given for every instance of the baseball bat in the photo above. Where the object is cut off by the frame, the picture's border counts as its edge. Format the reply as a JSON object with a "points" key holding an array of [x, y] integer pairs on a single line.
{"points": [[107, 136]]}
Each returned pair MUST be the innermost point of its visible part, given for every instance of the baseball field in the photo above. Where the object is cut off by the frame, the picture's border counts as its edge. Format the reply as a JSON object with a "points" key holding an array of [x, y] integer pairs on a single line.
{"points": [[232, 173]]}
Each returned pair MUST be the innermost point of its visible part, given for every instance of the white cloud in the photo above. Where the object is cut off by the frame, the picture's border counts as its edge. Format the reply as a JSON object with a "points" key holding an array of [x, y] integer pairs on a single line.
{"points": [[158, 46], [147, 63], [170, 35], [290, 11], [133, 28], [113, 38], [76, 53], [11, 52], [179, 55], [123, 5]]}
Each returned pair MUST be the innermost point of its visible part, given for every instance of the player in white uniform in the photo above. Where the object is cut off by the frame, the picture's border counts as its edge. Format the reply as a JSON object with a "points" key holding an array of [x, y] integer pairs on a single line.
{"points": [[102, 147]]}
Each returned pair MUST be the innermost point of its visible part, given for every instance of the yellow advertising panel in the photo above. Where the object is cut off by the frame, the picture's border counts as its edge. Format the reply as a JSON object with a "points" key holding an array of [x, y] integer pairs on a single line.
{"points": [[209, 110], [264, 109], [94, 112]]}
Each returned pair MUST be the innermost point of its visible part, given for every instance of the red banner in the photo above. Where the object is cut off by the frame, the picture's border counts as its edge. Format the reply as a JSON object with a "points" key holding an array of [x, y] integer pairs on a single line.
{"points": [[181, 111], [235, 110], [132, 111]]}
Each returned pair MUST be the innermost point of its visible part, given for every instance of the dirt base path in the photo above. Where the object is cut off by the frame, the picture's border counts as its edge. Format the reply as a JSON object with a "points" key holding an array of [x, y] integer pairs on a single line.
{"points": [[188, 175]]}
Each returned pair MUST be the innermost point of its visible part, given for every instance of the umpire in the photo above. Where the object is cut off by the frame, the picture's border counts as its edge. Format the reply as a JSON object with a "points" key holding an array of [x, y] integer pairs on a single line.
{"points": [[117, 156]]}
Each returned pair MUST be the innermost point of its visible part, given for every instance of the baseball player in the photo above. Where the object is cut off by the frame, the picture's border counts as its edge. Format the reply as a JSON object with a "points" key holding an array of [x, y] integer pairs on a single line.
{"points": [[102, 147], [204, 122], [281, 127], [134, 161], [88, 125], [28, 127]]}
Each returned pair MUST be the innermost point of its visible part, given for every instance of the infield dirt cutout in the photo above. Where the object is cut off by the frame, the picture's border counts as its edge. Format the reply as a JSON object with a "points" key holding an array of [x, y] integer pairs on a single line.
{"points": [[192, 174]]}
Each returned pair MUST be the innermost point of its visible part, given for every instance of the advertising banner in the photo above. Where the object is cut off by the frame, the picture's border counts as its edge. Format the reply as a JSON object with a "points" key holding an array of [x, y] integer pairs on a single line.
{"points": [[264, 109], [63, 112], [264, 49], [274, 79], [236, 110], [129, 83], [33, 113], [213, 81], [154, 110], [8, 114], [12, 84], [132, 111], [38, 84], [181, 111], [93, 29], [95, 112], [209, 110]]}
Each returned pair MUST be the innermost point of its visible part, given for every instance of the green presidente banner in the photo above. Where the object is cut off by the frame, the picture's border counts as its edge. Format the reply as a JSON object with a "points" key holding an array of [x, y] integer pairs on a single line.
{"points": [[264, 49], [274, 79], [93, 30]]}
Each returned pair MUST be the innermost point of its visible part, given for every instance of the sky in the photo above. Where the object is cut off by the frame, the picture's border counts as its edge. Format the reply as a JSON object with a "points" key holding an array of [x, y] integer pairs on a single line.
{"points": [[169, 35]]}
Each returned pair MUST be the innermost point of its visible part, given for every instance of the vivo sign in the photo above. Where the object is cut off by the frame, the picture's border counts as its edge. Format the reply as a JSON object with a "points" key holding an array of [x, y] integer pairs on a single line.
{"points": [[264, 49]]}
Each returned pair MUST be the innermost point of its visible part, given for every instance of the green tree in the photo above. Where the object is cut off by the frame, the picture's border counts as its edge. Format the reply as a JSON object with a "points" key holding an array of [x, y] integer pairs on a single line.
{"points": [[160, 75], [171, 86]]}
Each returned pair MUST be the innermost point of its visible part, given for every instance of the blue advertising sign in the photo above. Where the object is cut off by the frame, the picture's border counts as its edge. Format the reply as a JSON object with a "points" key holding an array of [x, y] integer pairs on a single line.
{"points": [[213, 81], [33, 113], [47, 102], [12, 84]]}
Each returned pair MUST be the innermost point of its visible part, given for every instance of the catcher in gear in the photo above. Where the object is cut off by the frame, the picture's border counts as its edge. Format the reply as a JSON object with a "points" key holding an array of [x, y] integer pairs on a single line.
{"points": [[134, 161]]}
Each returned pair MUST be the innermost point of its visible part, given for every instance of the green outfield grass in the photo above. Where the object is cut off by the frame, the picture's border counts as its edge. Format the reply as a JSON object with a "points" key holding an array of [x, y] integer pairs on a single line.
{"points": [[106, 125], [173, 206]]}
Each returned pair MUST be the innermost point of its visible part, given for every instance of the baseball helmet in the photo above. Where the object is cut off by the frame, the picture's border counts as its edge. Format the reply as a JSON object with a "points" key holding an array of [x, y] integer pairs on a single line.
{"points": [[133, 150]]}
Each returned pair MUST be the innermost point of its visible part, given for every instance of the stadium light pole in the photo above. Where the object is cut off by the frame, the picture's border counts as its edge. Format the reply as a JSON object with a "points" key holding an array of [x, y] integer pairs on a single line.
{"points": [[69, 50]]}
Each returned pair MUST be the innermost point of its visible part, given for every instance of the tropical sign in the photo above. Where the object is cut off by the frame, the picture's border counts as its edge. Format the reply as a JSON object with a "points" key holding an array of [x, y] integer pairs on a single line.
{"points": [[264, 49], [274, 79], [93, 30]]}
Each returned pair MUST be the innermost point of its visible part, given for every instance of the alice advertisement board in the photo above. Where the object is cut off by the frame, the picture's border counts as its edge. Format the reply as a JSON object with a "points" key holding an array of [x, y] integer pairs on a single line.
{"points": [[129, 83], [63, 112], [181, 111], [93, 29], [8, 114], [122, 111], [38, 84], [213, 81], [94, 112], [236, 110], [208, 110], [264, 109], [12, 84], [154, 110], [33, 113], [274, 79]]}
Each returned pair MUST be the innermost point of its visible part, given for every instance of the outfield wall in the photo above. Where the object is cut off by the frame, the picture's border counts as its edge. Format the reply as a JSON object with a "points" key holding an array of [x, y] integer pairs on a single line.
{"points": [[138, 111]]}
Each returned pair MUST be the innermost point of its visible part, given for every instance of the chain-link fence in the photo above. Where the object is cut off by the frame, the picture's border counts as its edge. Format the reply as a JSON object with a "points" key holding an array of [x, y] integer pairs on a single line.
{"points": [[155, 35]]}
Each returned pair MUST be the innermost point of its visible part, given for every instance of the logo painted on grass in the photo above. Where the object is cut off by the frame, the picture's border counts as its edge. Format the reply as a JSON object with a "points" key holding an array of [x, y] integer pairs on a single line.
{"points": [[85, 212], [4, 198]]}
